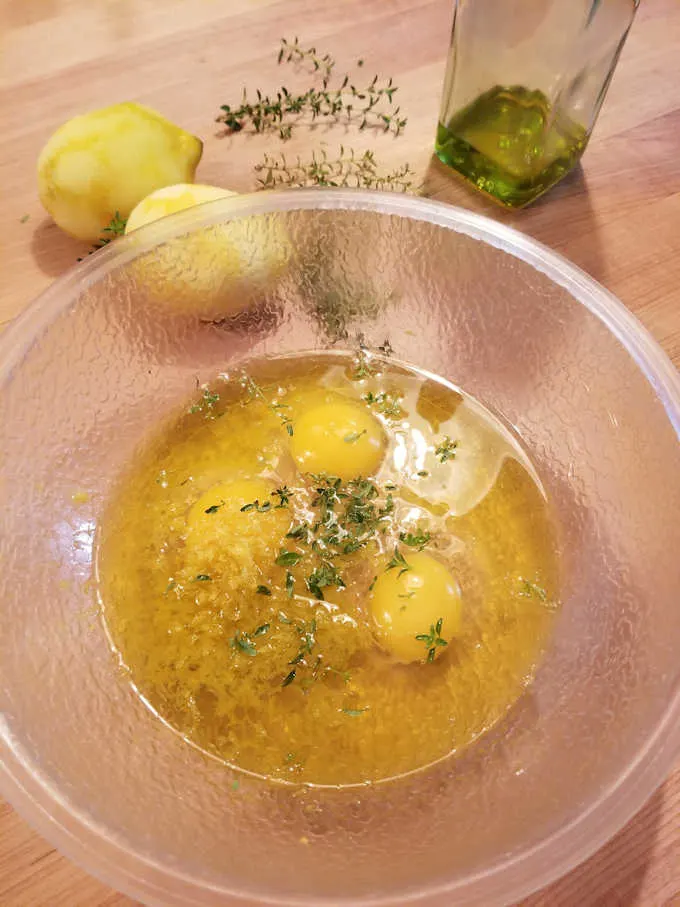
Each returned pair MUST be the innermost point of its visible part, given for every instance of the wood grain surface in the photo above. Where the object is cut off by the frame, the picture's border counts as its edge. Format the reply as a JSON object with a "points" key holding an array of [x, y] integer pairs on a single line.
{"points": [[618, 217]]}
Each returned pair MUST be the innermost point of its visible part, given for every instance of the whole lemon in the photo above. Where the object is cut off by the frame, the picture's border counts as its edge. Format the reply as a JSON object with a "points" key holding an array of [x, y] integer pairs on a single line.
{"points": [[107, 161], [212, 272], [171, 199]]}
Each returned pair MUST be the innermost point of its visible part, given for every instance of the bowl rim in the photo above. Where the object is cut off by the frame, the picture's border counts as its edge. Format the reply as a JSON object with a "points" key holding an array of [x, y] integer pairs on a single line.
{"points": [[508, 879]]}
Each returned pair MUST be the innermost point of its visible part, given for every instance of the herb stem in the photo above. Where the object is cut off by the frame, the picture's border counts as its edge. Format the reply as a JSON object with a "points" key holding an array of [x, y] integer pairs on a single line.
{"points": [[370, 106], [347, 168]]}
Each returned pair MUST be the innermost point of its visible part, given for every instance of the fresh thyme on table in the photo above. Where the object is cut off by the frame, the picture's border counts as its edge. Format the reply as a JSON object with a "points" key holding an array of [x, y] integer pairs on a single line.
{"points": [[114, 228], [293, 52], [368, 107], [348, 169]]}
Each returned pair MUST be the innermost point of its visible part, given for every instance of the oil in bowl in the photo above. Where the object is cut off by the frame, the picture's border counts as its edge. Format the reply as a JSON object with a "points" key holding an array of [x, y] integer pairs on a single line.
{"points": [[329, 569]]}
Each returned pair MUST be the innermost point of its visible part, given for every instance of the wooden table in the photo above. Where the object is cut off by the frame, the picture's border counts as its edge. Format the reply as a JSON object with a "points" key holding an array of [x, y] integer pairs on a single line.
{"points": [[618, 218]]}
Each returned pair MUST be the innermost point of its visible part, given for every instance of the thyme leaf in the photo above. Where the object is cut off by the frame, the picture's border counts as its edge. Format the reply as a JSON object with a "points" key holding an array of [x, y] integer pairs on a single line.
{"points": [[446, 450], [370, 106], [346, 167], [433, 640], [288, 558], [398, 561], [415, 540]]}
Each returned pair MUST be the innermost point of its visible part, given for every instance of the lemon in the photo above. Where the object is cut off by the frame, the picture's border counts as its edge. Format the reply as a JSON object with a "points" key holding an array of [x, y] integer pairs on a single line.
{"points": [[212, 272], [171, 199], [107, 161]]}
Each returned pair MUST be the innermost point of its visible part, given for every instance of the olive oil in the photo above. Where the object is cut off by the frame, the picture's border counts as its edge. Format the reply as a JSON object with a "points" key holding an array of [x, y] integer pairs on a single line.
{"points": [[511, 144], [329, 570]]}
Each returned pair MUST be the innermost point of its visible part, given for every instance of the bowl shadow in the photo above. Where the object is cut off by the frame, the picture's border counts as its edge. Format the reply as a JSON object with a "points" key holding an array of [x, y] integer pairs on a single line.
{"points": [[561, 218], [614, 874], [54, 251]]}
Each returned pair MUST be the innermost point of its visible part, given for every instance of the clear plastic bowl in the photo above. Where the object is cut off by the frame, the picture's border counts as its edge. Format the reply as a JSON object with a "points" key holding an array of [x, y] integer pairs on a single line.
{"points": [[85, 375]]}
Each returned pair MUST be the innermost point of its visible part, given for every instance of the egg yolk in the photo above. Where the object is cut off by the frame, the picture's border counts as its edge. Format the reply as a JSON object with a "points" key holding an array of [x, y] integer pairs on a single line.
{"points": [[220, 531], [410, 603], [340, 438]]}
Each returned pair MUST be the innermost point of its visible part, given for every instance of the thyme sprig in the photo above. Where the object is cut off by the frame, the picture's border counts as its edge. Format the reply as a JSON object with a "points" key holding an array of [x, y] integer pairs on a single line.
{"points": [[214, 507], [245, 642], [398, 561], [358, 519], [362, 367], [293, 52], [284, 494], [255, 392], [446, 450], [288, 558], [387, 404], [370, 106], [325, 575], [114, 228], [307, 633], [529, 589], [346, 518], [415, 539], [433, 639], [348, 168], [206, 405], [256, 505]]}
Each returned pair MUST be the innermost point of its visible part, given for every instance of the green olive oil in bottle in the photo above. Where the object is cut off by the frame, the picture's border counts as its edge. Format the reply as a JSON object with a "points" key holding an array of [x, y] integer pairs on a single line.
{"points": [[511, 144], [525, 81]]}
